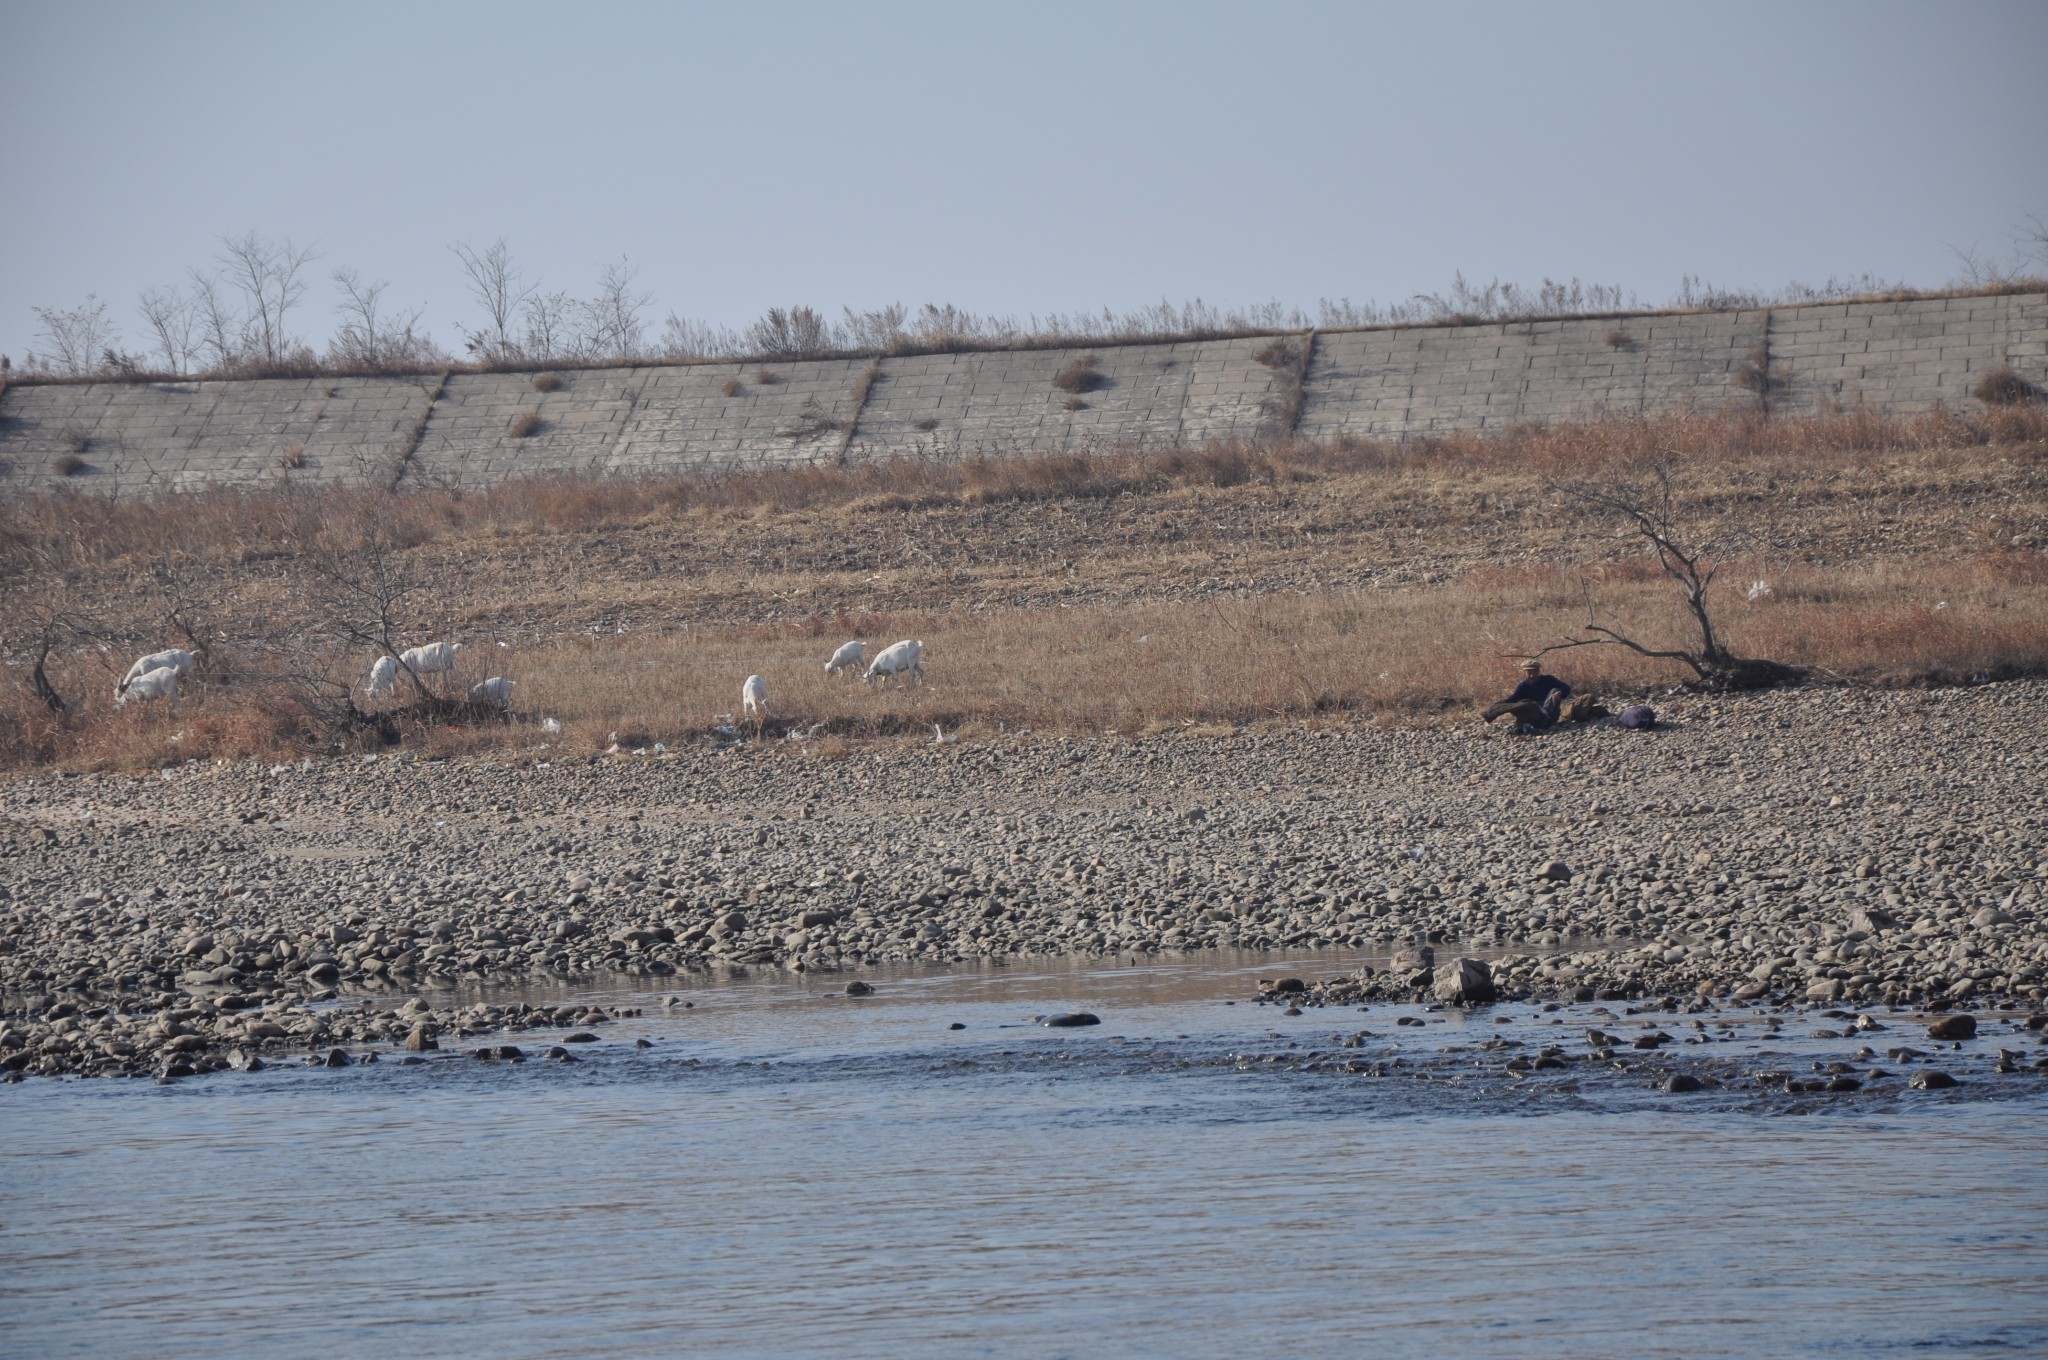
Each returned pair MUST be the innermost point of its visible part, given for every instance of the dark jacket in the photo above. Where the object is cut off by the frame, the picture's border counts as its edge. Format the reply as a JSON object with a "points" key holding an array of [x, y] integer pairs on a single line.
{"points": [[1537, 689]]}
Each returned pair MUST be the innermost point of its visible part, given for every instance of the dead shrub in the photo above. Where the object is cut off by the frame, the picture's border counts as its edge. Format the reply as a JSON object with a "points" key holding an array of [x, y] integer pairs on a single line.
{"points": [[294, 456], [813, 421], [1080, 376], [546, 382], [733, 387], [70, 465], [1619, 339], [1279, 354], [74, 440], [1073, 404], [2004, 387], [927, 424], [525, 425], [767, 377]]}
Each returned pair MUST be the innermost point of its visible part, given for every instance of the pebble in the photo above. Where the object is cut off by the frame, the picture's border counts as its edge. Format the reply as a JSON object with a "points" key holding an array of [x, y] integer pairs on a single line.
{"points": [[1758, 847]]}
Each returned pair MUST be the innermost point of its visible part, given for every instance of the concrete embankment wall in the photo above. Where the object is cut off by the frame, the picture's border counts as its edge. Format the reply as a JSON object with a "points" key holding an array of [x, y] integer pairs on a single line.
{"points": [[473, 429]]}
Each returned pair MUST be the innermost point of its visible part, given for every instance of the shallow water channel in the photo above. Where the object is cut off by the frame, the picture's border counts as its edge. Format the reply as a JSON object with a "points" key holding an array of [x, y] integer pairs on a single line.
{"points": [[788, 1171]]}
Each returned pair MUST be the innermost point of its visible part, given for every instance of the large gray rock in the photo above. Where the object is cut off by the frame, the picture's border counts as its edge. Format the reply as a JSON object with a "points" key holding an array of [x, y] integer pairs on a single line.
{"points": [[1413, 959], [1953, 1027], [1467, 982]]}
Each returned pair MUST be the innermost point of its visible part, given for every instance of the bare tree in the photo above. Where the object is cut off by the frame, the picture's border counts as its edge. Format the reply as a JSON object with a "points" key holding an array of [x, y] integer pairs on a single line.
{"points": [[495, 282], [1974, 269], [38, 607], [610, 325], [361, 585], [2029, 254], [267, 275], [2030, 238], [548, 320], [1650, 511], [220, 330], [367, 338], [78, 339], [173, 323]]}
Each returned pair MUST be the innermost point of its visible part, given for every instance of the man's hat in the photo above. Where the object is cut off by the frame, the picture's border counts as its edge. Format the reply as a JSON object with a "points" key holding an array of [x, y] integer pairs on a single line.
{"points": [[1532, 664]]}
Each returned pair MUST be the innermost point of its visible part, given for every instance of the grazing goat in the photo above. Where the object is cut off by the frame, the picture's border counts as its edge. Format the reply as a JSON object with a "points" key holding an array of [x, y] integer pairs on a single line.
{"points": [[899, 660], [383, 677], [176, 658], [496, 690], [435, 656], [850, 657], [754, 700], [431, 658], [161, 683], [1759, 590]]}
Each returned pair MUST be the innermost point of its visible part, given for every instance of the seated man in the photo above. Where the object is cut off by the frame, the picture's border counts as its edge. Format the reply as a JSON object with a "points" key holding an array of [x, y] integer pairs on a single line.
{"points": [[1534, 704]]}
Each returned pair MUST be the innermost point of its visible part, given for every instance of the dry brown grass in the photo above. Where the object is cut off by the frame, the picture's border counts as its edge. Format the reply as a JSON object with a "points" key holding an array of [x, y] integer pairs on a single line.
{"points": [[1429, 653], [525, 425], [733, 387], [1766, 461], [293, 456], [1267, 582], [70, 465], [546, 382]]}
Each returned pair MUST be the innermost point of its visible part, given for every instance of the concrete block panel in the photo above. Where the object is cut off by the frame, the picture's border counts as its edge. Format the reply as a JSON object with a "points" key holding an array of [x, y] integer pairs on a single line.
{"points": [[143, 437], [1010, 401]]}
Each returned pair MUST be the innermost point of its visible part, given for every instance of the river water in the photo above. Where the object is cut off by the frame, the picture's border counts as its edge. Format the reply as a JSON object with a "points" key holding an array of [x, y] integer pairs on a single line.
{"points": [[787, 1171]]}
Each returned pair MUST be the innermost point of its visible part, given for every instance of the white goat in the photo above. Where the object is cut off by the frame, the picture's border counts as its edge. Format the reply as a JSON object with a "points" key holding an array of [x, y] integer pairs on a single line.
{"points": [[496, 690], [383, 677], [1759, 590], [903, 658], [177, 658], [161, 683], [850, 657], [435, 656], [754, 700]]}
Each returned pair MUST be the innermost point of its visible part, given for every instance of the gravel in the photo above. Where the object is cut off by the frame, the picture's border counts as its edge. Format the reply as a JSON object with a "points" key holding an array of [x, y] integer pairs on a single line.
{"points": [[1834, 848]]}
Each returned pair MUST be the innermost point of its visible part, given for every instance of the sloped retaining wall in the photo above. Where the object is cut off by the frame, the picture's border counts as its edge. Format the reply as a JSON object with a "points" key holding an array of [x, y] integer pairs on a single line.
{"points": [[471, 429]]}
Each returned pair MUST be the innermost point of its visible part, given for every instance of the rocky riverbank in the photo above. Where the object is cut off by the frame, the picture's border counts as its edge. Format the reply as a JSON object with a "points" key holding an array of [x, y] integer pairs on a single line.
{"points": [[1828, 847]]}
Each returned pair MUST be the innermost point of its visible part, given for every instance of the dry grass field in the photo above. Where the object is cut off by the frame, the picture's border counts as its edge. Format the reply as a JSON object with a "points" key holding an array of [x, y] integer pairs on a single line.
{"points": [[1128, 590]]}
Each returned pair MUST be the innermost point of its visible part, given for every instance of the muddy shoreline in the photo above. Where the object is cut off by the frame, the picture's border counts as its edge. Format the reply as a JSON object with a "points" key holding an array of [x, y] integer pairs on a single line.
{"points": [[1828, 848]]}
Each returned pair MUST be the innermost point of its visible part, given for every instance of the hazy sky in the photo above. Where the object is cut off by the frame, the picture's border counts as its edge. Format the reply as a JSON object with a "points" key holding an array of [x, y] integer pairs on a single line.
{"points": [[1023, 157]]}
